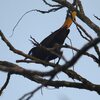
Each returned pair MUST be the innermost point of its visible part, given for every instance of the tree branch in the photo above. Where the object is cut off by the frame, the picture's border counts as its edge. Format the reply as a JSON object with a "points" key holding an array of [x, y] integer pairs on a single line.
{"points": [[36, 60], [30, 94], [86, 53], [50, 5], [80, 15], [97, 17], [70, 63], [6, 83], [41, 77], [15, 69], [81, 52], [96, 48]]}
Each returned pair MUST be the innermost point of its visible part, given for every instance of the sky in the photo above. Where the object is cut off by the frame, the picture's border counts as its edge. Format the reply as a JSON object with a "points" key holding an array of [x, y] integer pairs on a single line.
{"points": [[39, 26]]}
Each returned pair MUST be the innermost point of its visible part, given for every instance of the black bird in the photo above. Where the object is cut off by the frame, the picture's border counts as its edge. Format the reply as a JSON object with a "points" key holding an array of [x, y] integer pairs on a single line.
{"points": [[52, 42]]}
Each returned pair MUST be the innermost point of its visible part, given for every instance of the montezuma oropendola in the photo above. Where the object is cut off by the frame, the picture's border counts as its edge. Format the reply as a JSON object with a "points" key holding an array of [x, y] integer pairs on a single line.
{"points": [[50, 42]]}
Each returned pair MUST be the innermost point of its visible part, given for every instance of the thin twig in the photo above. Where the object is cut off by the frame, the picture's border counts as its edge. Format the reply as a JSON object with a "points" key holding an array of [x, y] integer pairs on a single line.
{"points": [[34, 41], [82, 34], [76, 76], [50, 5], [30, 94], [6, 83], [43, 12], [86, 53], [96, 17], [20, 20], [96, 48], [85, 32], [76, 57], [81, 52], [72, 49], [80, 15], [50, 10]]}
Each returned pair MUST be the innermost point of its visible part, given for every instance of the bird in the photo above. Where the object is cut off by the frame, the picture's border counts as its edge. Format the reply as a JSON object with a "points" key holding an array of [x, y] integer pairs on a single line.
{"points": [[52, 42]]}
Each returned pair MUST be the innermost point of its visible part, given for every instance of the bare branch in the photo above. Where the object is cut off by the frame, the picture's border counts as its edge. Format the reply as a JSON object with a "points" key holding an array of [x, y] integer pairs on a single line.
{"points": [[96, 17], [82, 34], [69, 64], [15, 69], [6, 83], [20, 20], [86, 53], [43, 12], [76, 57], [34, 41], [81, 52], [86, 33], [96, 48], [47, 78], [50, 5], [50, 10], [30, 94], [83, 17], [97, 51]]}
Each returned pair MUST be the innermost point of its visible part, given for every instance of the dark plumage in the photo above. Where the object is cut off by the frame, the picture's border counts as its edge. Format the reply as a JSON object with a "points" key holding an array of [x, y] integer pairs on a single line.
{"points": [[53, 40], [50, 42]]}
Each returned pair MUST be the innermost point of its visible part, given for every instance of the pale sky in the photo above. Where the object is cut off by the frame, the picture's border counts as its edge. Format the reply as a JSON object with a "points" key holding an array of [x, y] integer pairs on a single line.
{"points": [[40, 26]]}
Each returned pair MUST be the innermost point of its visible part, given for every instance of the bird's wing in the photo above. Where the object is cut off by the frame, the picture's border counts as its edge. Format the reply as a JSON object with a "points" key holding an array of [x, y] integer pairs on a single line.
{"points": [[55, 37]]}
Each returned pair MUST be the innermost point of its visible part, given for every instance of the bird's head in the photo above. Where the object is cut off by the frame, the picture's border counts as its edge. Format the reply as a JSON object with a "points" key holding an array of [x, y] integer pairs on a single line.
{"points": [[73, 15], [69, 20]]}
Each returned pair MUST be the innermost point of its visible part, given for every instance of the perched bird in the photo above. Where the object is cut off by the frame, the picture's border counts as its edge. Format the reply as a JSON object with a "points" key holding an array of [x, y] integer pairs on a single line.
{"points": [[50, 42], [53, 41]]}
